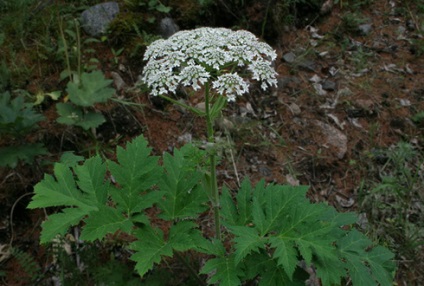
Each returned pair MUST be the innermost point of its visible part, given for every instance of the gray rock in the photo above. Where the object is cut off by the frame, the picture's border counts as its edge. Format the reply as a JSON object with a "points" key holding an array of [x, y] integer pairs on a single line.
{"points": [[287, 81], [329, 85], [333, 138], [168, 27], [308, 65], [289, 57], [118, 81], [96, 19], [365, 29]]}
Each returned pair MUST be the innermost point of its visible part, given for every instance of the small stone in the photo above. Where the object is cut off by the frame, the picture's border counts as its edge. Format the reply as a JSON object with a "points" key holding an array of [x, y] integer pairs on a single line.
{"points": [[308, 65], [329, 85], [333, 137], [345, 202], [410, 25], [289, 57], [365, 29], [168, 27], [118, 81], [265, 171], [287, 81], [401, 30], [96, 19], [295, 109], [201, 106], [185, 138]]}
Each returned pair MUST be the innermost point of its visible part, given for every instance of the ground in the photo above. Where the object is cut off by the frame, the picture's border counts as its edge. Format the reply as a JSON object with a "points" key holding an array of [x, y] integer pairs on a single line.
{"points": [[343, 96]]}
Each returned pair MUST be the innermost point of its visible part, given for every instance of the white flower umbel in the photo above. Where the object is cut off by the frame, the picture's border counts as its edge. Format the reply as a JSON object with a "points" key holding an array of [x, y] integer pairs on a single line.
{"points": [[223, 58]]}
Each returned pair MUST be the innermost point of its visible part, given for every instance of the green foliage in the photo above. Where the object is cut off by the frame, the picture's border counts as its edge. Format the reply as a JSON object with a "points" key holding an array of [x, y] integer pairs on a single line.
{"points": [[18, 118], [394, 203], [272, 229], [90, 89], [4, 73], [152, 5], [281, 222], [11, 155], [72, 115], [27, 263]]}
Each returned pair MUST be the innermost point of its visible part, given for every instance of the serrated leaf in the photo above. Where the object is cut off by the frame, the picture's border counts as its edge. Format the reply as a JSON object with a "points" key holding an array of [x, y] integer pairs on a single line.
{"points": [[180, 185], [228, 208], [149, 248], [136, 172], [58, 224], [247, 240], [366, 267], [62, 190], [91, 177], [93, 88], [70, 159], [285, 254], [152, 246], [106, 220], [296, 229], [224, 269], [184, 236]]}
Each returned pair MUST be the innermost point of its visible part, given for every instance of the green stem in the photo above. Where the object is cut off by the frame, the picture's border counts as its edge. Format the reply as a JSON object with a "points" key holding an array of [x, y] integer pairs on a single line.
{"points": [[65, 48], [78, 50], [192, 109], [212, 158]]}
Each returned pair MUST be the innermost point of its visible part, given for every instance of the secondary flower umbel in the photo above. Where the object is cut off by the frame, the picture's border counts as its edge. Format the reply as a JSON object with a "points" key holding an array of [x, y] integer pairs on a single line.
{"points": [[220, 56]]}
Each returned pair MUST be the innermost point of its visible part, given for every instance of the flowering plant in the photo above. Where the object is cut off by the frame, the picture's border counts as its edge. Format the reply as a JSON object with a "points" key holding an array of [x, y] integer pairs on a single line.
{"points": [[273, 234], [209, 55], [214, 57]]}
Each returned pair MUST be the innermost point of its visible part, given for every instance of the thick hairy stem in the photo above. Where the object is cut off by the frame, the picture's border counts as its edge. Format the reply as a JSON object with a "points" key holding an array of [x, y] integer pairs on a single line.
{"points": [[212, 158]]}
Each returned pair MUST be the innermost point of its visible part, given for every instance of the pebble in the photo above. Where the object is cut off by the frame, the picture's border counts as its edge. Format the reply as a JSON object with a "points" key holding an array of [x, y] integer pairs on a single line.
{"points": [[365, 29]]}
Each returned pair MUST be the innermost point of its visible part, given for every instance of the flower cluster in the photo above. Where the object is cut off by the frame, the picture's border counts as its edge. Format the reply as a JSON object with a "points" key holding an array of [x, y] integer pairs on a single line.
{"points": [[216, 55]]}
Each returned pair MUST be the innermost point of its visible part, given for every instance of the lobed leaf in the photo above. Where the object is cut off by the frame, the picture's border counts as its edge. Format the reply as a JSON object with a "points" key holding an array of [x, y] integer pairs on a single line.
{"points": [[92, 88], [180, 186], [290, 228], [58, 224], [151, 244], [106, 220], [224, 269], [135, 172]]}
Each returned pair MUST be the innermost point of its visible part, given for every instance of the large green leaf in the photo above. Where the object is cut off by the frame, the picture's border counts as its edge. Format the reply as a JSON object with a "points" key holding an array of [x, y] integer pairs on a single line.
{"points": [[289, 227], [92, 88], [151, 245], [82, 195], [136, 172], [180, 185], [367, 266]]}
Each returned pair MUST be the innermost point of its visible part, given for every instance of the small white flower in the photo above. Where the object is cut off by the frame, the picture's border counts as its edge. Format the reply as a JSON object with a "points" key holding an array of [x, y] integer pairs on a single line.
{"points": [[217, 55], [230, 85]]}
